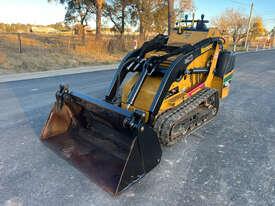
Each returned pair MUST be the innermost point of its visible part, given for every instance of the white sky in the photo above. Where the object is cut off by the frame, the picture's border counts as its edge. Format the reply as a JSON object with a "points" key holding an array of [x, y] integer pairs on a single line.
{"points": [[30, 11]]}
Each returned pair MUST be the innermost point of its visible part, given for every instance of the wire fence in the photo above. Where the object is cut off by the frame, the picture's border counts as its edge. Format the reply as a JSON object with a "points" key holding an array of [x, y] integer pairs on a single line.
{"points": [[27, 52], [47, 43], [91, 47]]}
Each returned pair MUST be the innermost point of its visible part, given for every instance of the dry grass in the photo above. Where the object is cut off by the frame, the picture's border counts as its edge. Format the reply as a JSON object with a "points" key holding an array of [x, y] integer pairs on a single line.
{"points": [[46, 52]]}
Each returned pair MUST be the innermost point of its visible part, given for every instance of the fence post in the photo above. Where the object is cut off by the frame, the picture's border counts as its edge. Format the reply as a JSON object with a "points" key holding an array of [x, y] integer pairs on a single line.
{"points": [[20, 42], [69, 45], [135, 44]]}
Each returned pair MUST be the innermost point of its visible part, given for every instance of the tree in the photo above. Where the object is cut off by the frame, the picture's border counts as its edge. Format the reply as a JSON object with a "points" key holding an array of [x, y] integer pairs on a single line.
{"points": [[151, 15], [272, 32], [272, 37], [160, 18], [232, 23], [99, 6], [257, 28], [79, 12], [184, 6], [119, 12], [170, 15]]}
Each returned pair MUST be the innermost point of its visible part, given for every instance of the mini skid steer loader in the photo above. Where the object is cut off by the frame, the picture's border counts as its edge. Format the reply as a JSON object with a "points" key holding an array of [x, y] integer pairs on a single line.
{"points": [[160, 93]]}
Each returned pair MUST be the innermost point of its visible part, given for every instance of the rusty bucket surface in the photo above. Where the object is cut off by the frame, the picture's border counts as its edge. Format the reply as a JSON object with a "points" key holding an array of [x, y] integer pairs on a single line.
{"points": [[93, 135]]}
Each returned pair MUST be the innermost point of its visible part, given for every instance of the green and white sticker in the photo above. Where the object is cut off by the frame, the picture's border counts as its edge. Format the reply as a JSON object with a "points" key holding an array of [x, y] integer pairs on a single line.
{"points": [[227, 80]]}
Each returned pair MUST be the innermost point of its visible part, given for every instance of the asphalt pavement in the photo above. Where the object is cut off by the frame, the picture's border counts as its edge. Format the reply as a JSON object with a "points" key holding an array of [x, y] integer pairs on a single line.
{"points": [[231, 161]]}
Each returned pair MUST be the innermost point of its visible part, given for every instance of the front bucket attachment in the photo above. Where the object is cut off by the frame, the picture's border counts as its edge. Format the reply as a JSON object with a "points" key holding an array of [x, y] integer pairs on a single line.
{"points": [[97, 138]]}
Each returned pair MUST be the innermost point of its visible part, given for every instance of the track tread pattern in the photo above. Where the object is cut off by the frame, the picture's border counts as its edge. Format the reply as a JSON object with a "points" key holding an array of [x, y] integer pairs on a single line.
{"points": [[166, 121]]}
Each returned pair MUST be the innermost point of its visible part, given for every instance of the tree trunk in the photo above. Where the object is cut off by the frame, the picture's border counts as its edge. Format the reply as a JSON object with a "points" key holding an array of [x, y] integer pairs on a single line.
{"points": [[170, 15], [123, 17], [82, 30], [82, 34], [234, 47], [141, 29], [122, 28], [98, 20], [20, 43], [234, 37]]}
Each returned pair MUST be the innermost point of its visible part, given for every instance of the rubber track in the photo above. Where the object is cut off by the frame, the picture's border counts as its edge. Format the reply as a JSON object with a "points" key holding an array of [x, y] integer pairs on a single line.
{"points": [[167, 119]]}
